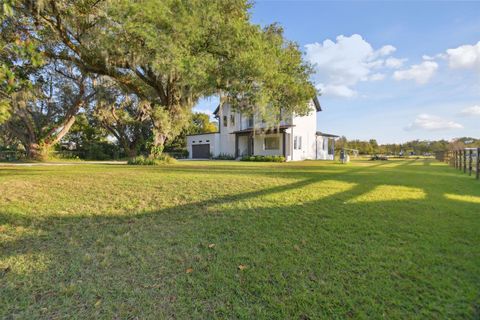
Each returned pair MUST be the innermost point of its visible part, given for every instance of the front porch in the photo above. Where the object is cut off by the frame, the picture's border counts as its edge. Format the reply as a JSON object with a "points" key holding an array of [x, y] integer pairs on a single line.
{"points": [[272, 142], [326, 146]]}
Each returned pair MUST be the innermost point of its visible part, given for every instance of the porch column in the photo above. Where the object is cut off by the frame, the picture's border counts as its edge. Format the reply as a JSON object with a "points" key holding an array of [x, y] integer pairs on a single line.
{"points": [[284, 144], [333, 148], [236, 145]]}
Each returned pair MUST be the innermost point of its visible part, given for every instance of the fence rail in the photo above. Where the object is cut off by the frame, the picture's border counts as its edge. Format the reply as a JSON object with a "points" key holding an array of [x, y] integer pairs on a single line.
{"points": [[466, 160]]}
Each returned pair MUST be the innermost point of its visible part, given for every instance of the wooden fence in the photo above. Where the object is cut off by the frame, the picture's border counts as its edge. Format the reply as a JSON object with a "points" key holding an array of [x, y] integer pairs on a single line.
{"points": [[466, 160]]}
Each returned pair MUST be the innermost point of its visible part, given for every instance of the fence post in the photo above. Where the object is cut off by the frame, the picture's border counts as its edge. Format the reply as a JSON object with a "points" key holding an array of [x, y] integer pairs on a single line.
{"points": [[455, 154], [470, 159], [478, 164], [460, 158], [464, 161]]}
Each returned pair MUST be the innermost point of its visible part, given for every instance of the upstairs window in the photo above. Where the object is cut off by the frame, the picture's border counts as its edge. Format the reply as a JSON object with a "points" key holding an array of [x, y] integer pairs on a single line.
{"points": [[250, 121], [232, 119], [272, 143], [225, 121], [297, 143]]}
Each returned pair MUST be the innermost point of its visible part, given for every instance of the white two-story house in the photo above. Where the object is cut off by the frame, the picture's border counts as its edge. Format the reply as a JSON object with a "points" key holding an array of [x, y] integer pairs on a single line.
{"points": [[294, 137]]}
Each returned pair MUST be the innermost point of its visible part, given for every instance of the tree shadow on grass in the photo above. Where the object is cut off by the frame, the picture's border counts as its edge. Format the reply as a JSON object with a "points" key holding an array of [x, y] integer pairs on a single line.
{"points": [[327, 257]]}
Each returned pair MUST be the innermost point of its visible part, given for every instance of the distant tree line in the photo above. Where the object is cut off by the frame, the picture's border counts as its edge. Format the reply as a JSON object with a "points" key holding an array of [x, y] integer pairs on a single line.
{"points": [[418, 147]]}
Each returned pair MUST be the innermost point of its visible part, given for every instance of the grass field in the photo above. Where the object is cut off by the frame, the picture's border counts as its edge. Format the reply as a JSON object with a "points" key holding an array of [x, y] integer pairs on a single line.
{"points": [[308, 240]]}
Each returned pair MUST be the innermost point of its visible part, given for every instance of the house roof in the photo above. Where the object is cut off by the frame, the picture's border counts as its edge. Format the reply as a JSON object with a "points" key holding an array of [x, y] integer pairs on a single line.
{"points": [[260, 130], [216, 110], [328, 135], [316, 102], [201, 134]]}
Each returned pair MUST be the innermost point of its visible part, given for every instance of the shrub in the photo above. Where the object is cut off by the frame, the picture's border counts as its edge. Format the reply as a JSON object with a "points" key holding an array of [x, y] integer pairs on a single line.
{"points": [[137, 161], [165, 159], [264, 158], [150, 161], [224, 156], [382, 158], [177, 153]]}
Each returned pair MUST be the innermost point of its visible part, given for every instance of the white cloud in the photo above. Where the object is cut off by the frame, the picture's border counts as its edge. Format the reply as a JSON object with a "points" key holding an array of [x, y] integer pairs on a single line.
{"points": [[394, 63], [342, 63], [420, 73], [464, 57], [432, 123], [340, 91], [471, 111], [376, 77], [386, 50]]}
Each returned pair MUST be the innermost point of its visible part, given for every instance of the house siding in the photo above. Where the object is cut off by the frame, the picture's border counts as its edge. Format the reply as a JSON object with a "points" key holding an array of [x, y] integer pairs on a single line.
{"points": [[259, 145], [208, 138], [227, 139], [304, 127]]}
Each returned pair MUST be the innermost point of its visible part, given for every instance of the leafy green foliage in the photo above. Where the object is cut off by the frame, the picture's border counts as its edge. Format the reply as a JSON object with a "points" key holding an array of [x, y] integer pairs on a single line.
{"points": [[4, 110], [224, 156], [42, 115], [171, 53], [19, 57], [151, 161], [199, 123], [125, 117], [264, 158]]}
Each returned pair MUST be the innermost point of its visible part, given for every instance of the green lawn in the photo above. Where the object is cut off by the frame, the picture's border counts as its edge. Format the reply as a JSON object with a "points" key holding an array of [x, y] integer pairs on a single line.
{"points": [[395, 240]]}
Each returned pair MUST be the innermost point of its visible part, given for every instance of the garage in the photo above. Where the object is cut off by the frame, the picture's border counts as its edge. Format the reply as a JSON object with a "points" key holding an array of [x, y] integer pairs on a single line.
{"points": [[201, 151]]}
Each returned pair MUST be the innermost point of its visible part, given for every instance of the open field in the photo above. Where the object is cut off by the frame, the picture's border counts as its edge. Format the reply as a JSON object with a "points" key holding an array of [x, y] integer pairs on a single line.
{"points": [[394, 239]]}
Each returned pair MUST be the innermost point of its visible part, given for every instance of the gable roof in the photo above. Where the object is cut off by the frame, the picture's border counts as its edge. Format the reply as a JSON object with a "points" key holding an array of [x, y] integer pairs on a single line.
{"points": [[328, 135], [215, 113], [316, 102]]}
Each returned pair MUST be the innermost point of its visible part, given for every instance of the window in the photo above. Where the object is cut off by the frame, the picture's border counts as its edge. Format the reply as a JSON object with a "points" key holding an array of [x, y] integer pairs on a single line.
{"points": [[272, 143], [232, 119], [225, 121], [297, 143], [250, 121]]}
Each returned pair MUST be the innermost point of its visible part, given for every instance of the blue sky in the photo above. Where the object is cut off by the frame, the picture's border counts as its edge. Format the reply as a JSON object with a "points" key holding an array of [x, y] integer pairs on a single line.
{"points": [[394, 71]]}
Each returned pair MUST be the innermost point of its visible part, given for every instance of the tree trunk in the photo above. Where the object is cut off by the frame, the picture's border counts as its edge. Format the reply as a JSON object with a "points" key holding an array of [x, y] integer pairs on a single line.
{"points": [[131, 152], [37, 152], [158, 143]]}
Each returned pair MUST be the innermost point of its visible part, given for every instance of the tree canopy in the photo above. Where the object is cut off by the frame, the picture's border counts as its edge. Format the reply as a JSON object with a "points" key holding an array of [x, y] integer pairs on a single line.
{"points": [[165, 53]]}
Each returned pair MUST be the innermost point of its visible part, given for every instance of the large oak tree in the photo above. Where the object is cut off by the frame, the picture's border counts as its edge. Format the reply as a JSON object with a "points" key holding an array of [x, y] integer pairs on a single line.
{"points": [[170, 53]]}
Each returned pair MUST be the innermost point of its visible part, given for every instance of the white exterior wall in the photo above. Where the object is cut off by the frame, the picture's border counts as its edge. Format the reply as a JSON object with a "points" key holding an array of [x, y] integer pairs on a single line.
{"points": [[323, 148], [208, 138], [224, 141], [259, 145], [306, 127], [227, 139]]}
